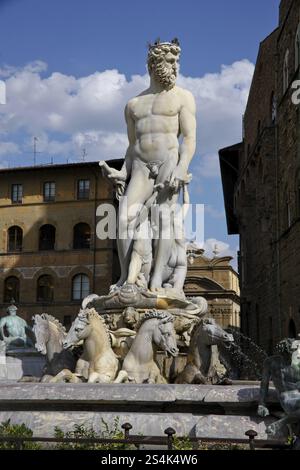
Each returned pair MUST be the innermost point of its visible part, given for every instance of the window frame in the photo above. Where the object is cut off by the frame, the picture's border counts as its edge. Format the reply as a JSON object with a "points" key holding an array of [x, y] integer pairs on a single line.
{"points": [[16, 248], [77, 238], [49, 299], [40, 241], [52, 194], [16, 294], [82, 293], [83, 193], [19, 193]]}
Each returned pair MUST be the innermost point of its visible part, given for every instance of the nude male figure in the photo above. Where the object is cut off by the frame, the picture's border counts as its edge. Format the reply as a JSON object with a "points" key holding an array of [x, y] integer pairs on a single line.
{"points": [[155, 120], [284, 370]]}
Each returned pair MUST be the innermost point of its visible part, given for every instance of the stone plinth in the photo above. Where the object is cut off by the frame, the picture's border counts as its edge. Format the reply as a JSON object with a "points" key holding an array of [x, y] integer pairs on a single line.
{"points": [[19, 362], [195, 410]]}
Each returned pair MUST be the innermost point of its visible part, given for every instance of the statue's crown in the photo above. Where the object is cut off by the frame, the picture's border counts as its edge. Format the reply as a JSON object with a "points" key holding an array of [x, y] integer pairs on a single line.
{"points": [[158, 43]]}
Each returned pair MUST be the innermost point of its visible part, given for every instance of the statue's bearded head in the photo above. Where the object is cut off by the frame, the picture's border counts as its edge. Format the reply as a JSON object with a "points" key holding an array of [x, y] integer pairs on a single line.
{"points": [[163, 62]]}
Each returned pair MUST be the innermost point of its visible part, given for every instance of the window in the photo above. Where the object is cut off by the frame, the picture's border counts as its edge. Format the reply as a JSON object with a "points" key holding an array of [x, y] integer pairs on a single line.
{"points": [[16, 193], [286, 80], [11, 289], [14, 239], [297, 49], [81, 236], [80, 287], [49, 191], [83, 189], [45, 288], [47, 237]]}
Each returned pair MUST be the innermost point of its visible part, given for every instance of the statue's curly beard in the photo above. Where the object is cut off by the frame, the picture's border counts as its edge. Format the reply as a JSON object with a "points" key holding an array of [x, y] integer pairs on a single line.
{"points": [[165, 76]]}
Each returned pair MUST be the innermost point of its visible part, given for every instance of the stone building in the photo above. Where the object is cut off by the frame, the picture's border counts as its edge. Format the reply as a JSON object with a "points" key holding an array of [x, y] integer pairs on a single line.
{"points": [[50, 256], [261, 185], [217, 281]]}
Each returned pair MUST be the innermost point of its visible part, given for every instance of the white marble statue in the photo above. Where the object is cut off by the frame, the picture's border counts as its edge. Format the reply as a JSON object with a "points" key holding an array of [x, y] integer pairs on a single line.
{"points": [[155, 171]]}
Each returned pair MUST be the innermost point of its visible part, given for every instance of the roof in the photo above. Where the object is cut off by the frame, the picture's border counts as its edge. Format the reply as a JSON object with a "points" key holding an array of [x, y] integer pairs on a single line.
{"points": [[116, 163]]}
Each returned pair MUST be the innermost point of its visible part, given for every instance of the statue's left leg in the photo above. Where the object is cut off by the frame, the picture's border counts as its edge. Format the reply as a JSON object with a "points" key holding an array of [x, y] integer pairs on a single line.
{"points": [[165, 243]]}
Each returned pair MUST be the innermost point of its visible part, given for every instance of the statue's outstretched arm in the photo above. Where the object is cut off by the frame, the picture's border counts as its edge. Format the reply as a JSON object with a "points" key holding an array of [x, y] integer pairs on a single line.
{"points": [[264, 389], [119, 177]]}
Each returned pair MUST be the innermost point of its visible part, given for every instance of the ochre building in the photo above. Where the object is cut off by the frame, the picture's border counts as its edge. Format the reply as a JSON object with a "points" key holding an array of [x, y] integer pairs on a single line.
{"points": [[50, 256]]}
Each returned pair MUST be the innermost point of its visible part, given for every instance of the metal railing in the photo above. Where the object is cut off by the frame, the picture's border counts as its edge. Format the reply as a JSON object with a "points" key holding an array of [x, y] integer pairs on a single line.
{"points": [[138, 441]]}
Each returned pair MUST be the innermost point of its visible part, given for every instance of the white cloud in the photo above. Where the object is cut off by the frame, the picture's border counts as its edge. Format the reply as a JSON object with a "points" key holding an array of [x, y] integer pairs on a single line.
{"points": [[213, 212], [68, 113], [222, 248]]}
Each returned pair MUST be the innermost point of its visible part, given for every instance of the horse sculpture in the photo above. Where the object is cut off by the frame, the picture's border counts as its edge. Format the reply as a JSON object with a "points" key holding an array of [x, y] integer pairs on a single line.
{"points": [[50, 334], [97, 350], [155, 331], [202, 360]]}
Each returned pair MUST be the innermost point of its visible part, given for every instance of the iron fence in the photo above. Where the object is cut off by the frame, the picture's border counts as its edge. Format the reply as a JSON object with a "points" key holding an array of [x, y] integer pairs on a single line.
{"points": [[138, 441]]}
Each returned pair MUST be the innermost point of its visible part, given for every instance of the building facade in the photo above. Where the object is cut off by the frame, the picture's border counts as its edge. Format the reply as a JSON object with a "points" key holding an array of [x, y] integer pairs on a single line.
{"points": [[261, 185], [50, 256], [217, 281]]}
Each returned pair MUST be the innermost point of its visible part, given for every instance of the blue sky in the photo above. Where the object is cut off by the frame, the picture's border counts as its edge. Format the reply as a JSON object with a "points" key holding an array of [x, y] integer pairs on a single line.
{"points": [[71, 65]]}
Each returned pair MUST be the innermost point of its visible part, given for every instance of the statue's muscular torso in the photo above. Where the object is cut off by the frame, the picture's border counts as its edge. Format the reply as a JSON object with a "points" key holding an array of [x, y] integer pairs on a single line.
{"points": [[156, 124]]}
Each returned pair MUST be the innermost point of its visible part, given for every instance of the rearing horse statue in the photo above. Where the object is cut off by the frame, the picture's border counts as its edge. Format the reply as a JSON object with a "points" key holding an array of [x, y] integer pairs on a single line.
{"points": [[203, 354], [97, 350], [50, 334], [155, 331]]}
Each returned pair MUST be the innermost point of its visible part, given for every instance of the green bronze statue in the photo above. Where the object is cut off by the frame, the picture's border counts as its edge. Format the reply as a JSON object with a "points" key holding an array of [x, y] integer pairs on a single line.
{"points": [[13, 329]]}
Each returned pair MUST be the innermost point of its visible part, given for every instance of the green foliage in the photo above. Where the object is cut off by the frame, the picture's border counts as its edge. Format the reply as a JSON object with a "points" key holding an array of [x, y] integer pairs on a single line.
{"points": [[80, 432], [182, 443], [16, 430]]}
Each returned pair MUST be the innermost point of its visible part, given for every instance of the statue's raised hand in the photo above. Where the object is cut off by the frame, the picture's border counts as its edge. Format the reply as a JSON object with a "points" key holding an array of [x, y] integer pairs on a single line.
{"points": [[115, 175]]}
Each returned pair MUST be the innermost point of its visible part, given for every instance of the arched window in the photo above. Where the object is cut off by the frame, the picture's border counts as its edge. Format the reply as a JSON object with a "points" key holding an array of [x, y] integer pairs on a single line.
{"points": [[45, 288], [297, 48], [292, 329], [80, 286], [286, 78], [81, 236], [15, 239], [11, 289], [47, 237]]}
